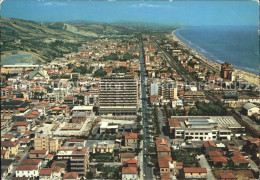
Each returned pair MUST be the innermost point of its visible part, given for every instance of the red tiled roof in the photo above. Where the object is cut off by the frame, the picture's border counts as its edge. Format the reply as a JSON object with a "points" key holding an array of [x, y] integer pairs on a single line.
{"points": [[49, 156], [26, 168], [21, 123], [131, 136], [131, 161], [221, 159], [209, 143], [38, 151], [24, 140], [45, 172], [194, 170], [56, 109], [163, 149], [7, 136], [214, 153], [127, 155], [129, 170], [71, 175], [9, 143], [161, 142], [237, 158], [227, 176], [255, 141], [164, 162], [175, 122], [31, 161], [233, 147]]}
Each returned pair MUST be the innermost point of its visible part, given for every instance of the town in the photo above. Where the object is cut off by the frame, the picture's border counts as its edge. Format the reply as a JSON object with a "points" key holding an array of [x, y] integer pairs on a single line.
{"points": [[142, 106]]}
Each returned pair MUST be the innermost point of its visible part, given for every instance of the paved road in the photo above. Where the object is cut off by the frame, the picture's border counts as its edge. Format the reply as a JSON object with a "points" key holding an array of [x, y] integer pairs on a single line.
{"points": [[147, 170], [204, 163]]}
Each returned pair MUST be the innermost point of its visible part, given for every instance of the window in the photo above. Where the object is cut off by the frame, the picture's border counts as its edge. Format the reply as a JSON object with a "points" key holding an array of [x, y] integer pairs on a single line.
{"points": [[191, 133], [201, 133], [206, 133], [196, 133]]}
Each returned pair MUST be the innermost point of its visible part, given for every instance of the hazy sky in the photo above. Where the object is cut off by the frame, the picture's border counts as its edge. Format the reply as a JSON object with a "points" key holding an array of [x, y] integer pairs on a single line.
{"points": [[177, 12]]}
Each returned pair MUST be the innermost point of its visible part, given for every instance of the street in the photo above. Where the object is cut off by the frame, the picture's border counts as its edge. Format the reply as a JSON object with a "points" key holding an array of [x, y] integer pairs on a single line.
{"points": [[147, 170], [204, 163]]}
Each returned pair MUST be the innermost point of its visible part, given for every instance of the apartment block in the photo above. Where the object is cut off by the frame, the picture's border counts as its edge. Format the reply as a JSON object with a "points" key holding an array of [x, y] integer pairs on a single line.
{"points": [[118, 95], [46, 143]]}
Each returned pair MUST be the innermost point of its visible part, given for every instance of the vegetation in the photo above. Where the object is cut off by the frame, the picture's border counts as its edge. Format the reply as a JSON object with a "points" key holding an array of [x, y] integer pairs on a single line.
{"points": [[127, 56], [109, 172], [111, 56], [188, 159], [99, 73], [101, 157], [208, 109], [121, 69]]}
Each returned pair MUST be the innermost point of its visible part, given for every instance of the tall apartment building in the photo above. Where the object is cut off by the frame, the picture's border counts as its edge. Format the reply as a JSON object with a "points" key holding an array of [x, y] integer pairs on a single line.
{"points": [[226, 71], [78, 158], [46, 142], [118, 95], [169, 91]]}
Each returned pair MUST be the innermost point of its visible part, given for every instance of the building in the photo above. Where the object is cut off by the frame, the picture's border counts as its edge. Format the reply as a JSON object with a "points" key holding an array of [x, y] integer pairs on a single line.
{"points": [[103, 147], [78, 158], [11, 146], [46, 174], [154, 89], [204, 128], [249, 109], [71, 176], [131, 140], [79, 117], [194, 96], [126, 156], [38, 154], [29, 168], [227, 176], [46, 142], [5, 154], [21, 126], [195, 173], [12, 107], [129, 173], [226, 71], [88, 110], [209, 146], [118, 95]]}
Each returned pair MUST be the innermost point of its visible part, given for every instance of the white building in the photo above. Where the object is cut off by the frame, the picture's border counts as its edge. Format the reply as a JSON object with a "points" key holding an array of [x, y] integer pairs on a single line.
{"points": [[204, 128], [154, 89], [250, 109]]}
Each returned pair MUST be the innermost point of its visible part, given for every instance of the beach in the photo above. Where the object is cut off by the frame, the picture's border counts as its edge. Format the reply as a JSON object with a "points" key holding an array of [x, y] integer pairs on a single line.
{"points": [[250, 77]]}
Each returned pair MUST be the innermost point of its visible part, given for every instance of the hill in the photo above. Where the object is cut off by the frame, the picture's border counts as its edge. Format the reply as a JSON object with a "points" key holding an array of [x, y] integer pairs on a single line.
{"points": [[50, 40]]}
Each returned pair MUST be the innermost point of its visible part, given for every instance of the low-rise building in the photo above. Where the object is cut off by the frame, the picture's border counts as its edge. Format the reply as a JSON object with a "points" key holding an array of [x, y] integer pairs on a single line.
{"points": [[45, 174], [131, 140], [195, 173]]}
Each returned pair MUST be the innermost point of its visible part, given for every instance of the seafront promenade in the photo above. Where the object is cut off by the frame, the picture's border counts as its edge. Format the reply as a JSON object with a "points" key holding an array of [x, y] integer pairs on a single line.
{"points": [[252, 78]]}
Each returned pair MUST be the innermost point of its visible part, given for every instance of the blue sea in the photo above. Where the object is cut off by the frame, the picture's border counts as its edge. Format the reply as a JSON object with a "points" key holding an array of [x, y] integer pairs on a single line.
{"points": [[238, 45]]}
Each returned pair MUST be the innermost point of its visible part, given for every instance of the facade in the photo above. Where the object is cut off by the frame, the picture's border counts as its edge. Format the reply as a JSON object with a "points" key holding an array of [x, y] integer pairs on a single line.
{"points": [[227, 71], [204, 128], [11, 146], [46, 143], [249, 109], [195, 173], [129, 173], [78, 159], [118, 95], [131, 140]]}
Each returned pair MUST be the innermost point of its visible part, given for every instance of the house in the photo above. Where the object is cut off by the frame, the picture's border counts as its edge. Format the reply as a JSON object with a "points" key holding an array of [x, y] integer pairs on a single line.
{"points": [[103, 147], [164, 164], [209, 146], [38, 154], [227, 176], [21, 126], [11, 146], [249, 109], [5, 154], [254, 146], [45, 174], [163, 151], [58, 167], [130, 163], [129, 173], [195, 173], [71, 176], [217, 158], [126, 156], [131, 140], [29, 168], [239, 160]]}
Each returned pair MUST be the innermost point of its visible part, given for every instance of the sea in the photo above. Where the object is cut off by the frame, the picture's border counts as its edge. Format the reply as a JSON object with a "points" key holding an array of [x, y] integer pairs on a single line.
{"points": [[238, 45]]}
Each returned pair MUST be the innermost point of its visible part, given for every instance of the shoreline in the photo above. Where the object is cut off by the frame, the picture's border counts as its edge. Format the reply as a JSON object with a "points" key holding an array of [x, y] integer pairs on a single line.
{"points": [[250, 77]]}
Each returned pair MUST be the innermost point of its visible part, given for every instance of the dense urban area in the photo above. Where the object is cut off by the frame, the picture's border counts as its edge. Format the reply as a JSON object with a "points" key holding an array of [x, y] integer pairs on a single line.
{"points": [[140, 106]]}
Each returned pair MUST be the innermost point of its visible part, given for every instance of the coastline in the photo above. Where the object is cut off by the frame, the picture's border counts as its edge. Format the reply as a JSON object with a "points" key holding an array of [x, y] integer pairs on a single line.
{"points": [[250, 77]]}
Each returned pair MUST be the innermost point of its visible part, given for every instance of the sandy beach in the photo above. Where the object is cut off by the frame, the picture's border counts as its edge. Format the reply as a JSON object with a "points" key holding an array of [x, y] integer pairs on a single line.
{"points": [[252, 78]]}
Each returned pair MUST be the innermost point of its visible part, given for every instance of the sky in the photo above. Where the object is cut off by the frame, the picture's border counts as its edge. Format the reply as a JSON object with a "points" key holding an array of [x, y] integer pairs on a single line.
{"points": [[186, 13]]}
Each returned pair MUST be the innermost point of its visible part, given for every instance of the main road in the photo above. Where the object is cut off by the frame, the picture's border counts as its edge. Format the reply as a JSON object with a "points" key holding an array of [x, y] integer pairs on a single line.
{"points": [[147, 170]]}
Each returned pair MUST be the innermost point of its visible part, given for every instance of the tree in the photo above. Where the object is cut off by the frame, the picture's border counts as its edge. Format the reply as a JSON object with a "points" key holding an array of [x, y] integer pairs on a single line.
{"points": [[99, 73]]}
